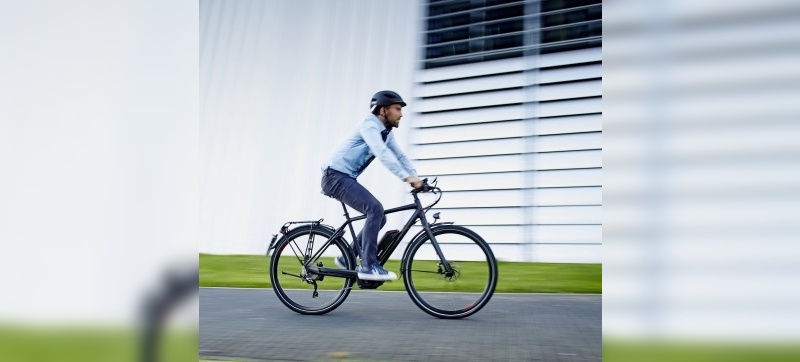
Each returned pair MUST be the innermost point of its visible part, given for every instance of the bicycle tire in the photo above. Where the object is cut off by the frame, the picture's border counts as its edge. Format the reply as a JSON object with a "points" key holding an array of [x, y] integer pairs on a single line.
{"points": [[293, 285], [459, 295]]}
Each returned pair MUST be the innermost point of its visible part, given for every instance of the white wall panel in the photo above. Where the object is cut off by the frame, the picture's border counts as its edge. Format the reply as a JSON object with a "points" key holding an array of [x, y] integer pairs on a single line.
{"points": [[471, 165], [509, 234], [570, 57], [568, 196], [488, 198], [569, 107], [502, 234], [563, 178], [568, 124], [471, 100], [469, 148], [470, 116], [570, 73], [567, 234], [471, 85], [568, 215], [482, 181], [567, 253], [566, 160], [567, 142], [471, 70], [509, 253], [469, 132], [588, 88], [486, 216]]}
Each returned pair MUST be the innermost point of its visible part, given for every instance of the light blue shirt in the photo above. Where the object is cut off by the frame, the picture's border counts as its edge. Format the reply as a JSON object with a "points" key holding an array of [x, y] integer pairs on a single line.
{"points": [[353, 156]]}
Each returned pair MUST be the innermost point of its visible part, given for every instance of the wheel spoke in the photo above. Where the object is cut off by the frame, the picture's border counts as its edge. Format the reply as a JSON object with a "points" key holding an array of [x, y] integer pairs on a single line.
{"points": [[290, 274], [425, 271], [296, 250]]}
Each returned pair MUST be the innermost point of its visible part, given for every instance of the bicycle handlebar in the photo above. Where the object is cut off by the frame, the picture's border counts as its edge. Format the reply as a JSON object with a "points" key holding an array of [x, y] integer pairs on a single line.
{"points": [[425, 188]]}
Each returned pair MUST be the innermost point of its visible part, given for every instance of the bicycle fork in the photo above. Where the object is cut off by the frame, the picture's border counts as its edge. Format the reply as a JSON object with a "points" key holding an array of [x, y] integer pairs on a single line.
{"points": [[448, 271]]}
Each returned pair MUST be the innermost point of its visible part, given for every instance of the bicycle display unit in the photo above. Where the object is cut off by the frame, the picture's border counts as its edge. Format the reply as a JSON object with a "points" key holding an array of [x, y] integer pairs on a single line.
{"points": [[449, 271]]}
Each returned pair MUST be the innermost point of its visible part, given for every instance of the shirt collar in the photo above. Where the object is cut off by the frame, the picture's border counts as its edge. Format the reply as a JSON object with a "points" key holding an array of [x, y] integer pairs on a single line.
{"points": [[378, 120]]}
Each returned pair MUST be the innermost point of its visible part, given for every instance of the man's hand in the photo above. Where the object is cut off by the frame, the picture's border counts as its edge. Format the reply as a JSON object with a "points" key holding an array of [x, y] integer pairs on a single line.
{"points": [[414, 181]]}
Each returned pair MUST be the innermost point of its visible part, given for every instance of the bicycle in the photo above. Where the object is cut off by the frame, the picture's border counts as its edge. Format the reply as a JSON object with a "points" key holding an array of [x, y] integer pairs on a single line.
{"points": [[440, 266]]}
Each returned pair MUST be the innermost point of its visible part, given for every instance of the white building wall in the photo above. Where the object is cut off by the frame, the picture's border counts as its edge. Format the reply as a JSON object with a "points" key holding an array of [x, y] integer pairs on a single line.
{"points": [[282, 84]]}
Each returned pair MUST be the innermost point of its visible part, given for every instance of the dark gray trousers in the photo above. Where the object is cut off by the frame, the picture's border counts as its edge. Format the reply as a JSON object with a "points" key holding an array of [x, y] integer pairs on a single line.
{"points": [[346, 189]]}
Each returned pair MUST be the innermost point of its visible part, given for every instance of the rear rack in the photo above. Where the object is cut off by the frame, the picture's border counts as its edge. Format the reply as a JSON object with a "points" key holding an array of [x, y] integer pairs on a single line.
{"points": [[285, 229]]}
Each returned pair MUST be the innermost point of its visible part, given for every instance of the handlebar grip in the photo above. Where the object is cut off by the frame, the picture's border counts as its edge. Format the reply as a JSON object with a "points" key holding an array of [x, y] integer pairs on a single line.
{"points": [[424, 188]]}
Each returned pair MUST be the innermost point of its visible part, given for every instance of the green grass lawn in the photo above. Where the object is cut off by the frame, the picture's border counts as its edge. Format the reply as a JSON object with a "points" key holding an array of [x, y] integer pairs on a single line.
{"points": [[252, 271], [699, 351], [89, 344]]}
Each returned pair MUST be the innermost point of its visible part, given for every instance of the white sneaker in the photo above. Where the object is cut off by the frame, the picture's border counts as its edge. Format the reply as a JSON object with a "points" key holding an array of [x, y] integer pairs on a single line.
{"points": [[376, 272]]}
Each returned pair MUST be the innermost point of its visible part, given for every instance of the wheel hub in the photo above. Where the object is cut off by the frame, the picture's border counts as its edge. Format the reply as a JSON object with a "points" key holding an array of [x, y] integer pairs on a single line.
{"points": [[451, 276]]}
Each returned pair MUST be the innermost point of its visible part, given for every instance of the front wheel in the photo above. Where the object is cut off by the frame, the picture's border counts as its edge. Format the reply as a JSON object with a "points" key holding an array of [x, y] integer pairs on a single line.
{"points": [[450, 295]]}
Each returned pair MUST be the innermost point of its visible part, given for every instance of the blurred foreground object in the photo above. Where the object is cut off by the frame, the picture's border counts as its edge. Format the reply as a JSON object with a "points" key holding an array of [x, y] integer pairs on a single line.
{"points": [[178, 287], [701, 163]]}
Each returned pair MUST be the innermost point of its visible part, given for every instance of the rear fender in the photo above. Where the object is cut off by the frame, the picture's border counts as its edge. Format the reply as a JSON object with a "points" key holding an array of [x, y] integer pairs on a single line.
{"points": [[285, 231]]}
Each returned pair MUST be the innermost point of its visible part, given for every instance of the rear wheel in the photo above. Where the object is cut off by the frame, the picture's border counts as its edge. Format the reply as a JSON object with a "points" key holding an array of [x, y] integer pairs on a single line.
{"points": [[300, 289], [450, 295]]}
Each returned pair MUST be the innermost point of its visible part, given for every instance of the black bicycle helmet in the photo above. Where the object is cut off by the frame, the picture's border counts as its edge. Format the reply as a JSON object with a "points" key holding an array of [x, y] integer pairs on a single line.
{"points": [[386, 98]]}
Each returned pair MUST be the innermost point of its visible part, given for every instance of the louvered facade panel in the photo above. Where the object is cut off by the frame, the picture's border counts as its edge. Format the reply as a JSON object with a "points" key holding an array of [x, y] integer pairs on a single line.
{"points": [[513, 129]]}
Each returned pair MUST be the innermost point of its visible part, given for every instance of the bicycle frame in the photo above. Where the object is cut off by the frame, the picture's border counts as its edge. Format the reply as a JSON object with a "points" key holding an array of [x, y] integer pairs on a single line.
{"points": [[419, 214]]}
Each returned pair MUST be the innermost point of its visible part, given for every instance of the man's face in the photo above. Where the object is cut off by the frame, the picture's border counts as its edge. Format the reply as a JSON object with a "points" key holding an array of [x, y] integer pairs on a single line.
{"points": [[392, 114]]}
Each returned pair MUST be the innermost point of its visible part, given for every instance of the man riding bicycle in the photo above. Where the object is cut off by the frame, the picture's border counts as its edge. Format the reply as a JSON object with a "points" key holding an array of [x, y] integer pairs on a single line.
{"points": [[373, 139]]}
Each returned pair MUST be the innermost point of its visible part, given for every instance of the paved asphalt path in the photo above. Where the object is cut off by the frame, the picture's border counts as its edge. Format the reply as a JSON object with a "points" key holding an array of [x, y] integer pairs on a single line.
{"points": [[252, 325]]}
